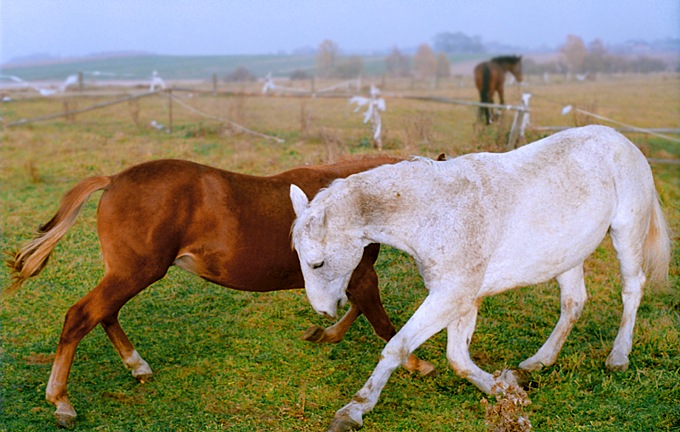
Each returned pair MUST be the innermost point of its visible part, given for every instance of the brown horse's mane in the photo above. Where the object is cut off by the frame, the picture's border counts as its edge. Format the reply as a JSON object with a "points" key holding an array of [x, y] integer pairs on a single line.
{"points": [[365, 158], [507, 59], [367, 161]]}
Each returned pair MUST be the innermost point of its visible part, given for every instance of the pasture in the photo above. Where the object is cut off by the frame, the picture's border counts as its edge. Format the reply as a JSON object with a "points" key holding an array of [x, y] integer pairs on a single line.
{"points": [[229, 360]]}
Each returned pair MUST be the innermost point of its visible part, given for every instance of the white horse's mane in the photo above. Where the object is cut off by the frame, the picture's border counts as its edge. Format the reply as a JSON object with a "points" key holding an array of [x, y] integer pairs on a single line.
{"points": [[321, 196], [324, 195], [423, 159], [435, 164]]}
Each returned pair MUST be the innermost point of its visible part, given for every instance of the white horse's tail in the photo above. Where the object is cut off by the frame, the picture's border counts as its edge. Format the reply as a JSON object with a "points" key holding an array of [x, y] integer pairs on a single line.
{"points": [[656, 250]]}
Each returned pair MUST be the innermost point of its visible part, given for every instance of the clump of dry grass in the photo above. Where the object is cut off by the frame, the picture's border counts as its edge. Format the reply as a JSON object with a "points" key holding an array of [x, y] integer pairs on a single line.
{"points": [[580, 118], [237, 109], [33, 172], [333, 143], [69, 106], [133, 109], [507, 414], [305, 119], [493, 137], [418, 129]]}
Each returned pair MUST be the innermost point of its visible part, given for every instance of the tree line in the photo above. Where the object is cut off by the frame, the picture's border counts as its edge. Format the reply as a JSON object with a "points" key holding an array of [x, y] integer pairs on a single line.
{"points": [[579, 58], [425, 64], [428, 63]]}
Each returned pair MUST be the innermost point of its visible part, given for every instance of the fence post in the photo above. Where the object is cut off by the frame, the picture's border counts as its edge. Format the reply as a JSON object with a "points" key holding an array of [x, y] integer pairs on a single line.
{"points": [[514, 131], [169, 110], [520, 122]]}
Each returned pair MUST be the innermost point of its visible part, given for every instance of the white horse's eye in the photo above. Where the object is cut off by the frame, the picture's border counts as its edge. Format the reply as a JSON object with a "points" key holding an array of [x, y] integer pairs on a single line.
{"points": [[318, 265]]}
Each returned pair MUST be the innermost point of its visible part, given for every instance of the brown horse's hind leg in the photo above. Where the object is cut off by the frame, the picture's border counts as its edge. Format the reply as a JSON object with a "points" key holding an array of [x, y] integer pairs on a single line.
{"points": [[363, 291], [364, 296], [127, 352], [105, 300], [56, 387], [368, 300]]}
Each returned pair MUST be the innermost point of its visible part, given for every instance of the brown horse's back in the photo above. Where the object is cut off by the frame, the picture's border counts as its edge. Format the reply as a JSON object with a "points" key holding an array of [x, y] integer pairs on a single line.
{"points": [[229, 228]]}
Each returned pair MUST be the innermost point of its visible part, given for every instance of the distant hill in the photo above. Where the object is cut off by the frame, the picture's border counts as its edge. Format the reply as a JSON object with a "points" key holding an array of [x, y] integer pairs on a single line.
{"points": [[142, 66], [139, 66]]}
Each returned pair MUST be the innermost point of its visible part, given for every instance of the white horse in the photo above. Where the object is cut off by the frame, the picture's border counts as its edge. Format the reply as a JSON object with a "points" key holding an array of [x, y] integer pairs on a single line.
{"points": [[481, 224]]}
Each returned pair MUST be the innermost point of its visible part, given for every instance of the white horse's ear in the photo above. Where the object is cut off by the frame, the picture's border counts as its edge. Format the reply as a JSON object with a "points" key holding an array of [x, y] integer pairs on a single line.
{"points": [[299, 199]]}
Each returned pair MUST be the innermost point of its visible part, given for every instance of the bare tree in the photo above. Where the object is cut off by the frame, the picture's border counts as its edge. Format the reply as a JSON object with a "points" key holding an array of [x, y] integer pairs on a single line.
{"points": [[326, 58], [443, 69], [597, 59], [349, 68], [574, 52], [425, 63], [397, 64]]}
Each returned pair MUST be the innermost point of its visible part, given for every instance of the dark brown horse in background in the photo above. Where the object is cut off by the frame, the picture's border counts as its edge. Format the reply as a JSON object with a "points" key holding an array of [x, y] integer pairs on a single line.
{"points": [[231, 229], [490, 77]]}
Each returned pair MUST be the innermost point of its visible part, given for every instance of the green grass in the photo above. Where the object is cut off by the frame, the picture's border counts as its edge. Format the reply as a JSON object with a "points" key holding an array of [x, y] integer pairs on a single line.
{"points": [[228, 360]]}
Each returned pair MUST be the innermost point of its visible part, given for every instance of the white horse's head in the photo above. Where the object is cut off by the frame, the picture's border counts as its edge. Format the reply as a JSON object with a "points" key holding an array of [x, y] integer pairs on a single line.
{"points": [[328, 253]]}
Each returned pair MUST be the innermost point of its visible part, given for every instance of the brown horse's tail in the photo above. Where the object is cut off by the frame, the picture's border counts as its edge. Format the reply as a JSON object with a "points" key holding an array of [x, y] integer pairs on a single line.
{"points": [[656, 249], [486, 83], [32, 257], [484, 92]]}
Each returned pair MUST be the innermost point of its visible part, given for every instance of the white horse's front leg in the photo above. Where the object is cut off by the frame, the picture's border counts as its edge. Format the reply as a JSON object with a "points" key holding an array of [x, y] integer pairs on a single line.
{"points": [[459, 334], [430, 318]]}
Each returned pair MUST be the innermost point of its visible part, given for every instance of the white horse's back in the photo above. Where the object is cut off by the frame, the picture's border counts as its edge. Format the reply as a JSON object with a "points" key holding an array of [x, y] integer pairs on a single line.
{"points": [[520, 217], [553, 202]]}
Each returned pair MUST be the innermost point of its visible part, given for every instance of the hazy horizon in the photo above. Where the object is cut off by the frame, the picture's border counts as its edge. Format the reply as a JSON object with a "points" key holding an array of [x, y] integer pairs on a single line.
{"points": [[71, 28]]}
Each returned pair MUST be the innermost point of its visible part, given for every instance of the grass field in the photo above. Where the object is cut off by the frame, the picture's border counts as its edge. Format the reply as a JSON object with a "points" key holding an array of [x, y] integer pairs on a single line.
{"points": [[228, 360]]}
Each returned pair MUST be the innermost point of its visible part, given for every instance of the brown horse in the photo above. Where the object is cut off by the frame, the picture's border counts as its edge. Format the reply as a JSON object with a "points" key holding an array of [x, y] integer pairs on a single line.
{"points": [[231, 229], [490, 77]]}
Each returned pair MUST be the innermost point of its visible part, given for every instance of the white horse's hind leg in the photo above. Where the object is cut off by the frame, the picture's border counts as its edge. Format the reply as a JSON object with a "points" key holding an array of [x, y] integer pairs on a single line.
{"points": [[629, 254], [572, 298], [430, 318]]}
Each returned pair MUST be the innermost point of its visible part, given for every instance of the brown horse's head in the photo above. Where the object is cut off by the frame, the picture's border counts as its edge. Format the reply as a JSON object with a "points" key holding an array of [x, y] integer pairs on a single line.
{"points": [[516, 67], [512, 64]]}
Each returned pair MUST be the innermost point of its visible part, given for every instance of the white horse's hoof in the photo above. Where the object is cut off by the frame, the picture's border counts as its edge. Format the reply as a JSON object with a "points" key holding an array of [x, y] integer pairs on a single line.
{"points": [[344, 421], [509, 377], [531, 365], [344, 424], [617, 362]]}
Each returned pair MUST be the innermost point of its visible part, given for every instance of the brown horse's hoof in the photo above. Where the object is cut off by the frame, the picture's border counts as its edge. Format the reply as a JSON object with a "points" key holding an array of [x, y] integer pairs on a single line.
{"points": [[427, 369], [314, 334], [65, 420], [344, 424], [144, 378]]}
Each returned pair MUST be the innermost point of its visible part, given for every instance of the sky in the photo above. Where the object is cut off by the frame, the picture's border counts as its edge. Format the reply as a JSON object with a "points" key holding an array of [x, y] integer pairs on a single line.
{"points": [[66, 28]]}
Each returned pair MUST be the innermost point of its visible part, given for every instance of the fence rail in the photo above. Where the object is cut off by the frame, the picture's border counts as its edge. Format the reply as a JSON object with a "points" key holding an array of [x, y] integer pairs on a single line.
{"points": [[620, 129], [519, 123]]}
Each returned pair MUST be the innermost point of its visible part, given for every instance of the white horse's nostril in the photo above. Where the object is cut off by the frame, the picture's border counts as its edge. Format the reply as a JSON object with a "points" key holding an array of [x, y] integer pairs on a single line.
{"points": [[327, 315]]}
